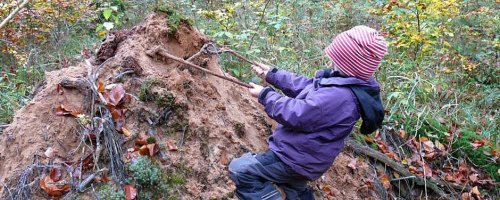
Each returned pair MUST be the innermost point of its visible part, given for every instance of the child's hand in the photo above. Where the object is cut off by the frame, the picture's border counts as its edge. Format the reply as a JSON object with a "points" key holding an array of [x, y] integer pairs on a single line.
{"points": [[255, 91], [261, 70]]}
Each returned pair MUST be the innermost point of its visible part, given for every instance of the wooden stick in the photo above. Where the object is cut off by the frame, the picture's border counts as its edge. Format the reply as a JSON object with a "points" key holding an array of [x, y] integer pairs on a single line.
{"points": [[163, 52], [430, 183], [239, 56], [11, 15]]}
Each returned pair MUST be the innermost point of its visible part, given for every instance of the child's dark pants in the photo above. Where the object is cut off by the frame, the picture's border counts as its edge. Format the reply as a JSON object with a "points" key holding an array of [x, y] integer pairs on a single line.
{"points": [[254, 177]]}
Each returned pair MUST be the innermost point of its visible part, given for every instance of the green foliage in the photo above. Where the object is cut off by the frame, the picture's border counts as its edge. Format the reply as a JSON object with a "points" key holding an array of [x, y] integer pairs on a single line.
{"points": [[110, 15], [174, 18], [145, 93], [152, 181], [109, 192]]}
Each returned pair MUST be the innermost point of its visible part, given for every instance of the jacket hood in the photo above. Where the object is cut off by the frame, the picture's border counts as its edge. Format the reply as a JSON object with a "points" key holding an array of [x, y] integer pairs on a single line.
{"points": [[367, 93]]}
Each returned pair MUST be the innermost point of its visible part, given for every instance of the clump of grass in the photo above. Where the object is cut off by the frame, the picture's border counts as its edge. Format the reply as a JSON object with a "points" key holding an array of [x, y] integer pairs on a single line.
{"points": [[174, 18], [151, 180], [109, 192], [145, 94], [166, 100], [239, 129]]}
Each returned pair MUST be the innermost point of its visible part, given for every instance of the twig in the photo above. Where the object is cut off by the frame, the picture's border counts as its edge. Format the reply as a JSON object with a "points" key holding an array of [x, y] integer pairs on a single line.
{"points": [[121, 75], [11, 15], [87, 180], [163, 52], [430, 183], [181, 142], [4, 125]]}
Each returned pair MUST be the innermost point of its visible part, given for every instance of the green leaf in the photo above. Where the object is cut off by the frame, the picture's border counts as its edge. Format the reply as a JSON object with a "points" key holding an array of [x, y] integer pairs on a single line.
{"points": [[107, 13]]}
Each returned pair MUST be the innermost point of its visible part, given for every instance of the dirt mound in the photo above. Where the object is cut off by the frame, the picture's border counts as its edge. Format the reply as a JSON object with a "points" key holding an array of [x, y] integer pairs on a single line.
{"points": [[199, 121]]}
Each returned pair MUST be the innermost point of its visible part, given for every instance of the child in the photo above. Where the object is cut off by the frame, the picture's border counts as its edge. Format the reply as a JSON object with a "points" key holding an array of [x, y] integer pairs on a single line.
{"points": [[315, 116]]}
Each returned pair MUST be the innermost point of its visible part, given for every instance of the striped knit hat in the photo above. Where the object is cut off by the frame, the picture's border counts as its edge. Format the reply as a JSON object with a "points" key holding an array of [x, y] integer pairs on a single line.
{"points": [[358, 51]]}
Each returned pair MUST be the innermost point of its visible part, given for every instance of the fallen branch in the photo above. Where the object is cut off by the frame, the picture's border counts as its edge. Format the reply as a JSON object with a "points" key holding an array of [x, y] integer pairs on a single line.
{"points": [[163, 52], [84, 183], [429, 183], [11, 15]]}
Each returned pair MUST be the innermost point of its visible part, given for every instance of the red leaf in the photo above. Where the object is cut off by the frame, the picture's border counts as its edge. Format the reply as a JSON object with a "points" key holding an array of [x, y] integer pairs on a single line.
{"points": [[328, 191], [55, 174], [130, 192], [52, 188], [141, 141], [61, 110], [116, 94], [144, 150]]}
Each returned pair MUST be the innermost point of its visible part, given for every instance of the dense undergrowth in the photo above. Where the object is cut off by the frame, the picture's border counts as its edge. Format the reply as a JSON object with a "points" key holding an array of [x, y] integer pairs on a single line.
{"points": [[439, 81]]}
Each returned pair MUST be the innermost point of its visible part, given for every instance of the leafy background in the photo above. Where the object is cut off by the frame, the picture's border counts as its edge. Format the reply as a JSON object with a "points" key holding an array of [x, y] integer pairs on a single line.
{"points": [[439, 81]]}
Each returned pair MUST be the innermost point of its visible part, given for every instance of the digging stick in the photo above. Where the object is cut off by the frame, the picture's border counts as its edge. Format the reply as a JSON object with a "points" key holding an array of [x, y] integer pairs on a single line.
{"points": [[163, 52], [239, 56]]}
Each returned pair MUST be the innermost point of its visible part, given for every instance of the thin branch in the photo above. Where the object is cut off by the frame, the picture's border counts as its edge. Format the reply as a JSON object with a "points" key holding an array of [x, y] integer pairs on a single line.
{"points": [[11, 15]]}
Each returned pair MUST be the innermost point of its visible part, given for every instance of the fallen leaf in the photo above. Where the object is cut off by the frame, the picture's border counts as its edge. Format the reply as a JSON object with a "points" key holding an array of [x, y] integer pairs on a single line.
{"points": [[126, 132], [473, 178], [141, 141], [153, 149], [171, 146], [368, 139], [353, 164], [402, 133], [116, 94], [428, 146], [52, 188], [384, 179], [466, 196], [412, 169], [427, 170], [60, 89], [61, 110], [55, 174], [475, 191], [144, 150], [130, 192], [439, 146], [328, 191], [100, 86]]}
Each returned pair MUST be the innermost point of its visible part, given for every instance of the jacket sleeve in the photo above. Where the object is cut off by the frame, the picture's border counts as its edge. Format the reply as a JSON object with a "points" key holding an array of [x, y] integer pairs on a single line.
{"points": [[288, 82], [313, 113]]}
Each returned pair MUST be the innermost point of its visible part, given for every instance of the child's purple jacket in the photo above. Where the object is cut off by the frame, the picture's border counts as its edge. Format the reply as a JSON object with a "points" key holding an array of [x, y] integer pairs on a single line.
{"points": [[314, 117]]}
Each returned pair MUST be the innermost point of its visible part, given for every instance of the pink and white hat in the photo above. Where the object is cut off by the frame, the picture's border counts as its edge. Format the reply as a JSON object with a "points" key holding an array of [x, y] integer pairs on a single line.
{"points": [[358, 51]]}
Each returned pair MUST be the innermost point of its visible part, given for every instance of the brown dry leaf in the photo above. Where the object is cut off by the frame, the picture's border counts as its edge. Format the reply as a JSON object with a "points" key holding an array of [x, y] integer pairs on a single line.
{"points": [[116, 94], [384, 179], [141, 141], [130, 192], [439, 146], [328, 191], [430, 155], [466, 196], [412, 169], [428, 146], [52, 188], [353, 164], [449, 178], [475, 191], [153, 149], [368, 139], [474, 177], [427, 170], [60, 89], [144, 150], [100, 86], [55, 174], [402, 133], [423, 139], [61, 110], [171, 146]]}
